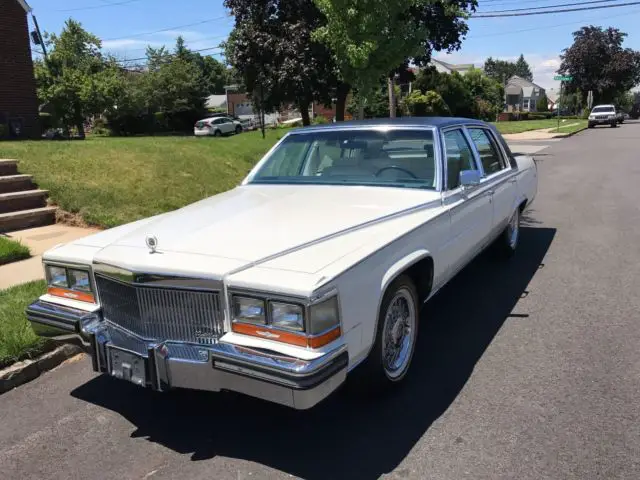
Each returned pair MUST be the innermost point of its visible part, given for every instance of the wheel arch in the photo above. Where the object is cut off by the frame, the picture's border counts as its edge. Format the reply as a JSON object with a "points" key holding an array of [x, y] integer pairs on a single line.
{"points": [[418, 265]]}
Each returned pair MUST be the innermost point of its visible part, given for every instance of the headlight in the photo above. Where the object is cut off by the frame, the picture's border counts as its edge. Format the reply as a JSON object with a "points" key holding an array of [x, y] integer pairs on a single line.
{"points": [[57, 277], [324, 316], [79, 280], [71, 283], [281, 321], [249, 310], [287, 316]]}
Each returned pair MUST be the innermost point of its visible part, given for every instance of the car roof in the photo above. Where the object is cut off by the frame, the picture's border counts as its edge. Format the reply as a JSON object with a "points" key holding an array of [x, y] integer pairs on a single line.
{"points": [[604, 105], [427, 122]]}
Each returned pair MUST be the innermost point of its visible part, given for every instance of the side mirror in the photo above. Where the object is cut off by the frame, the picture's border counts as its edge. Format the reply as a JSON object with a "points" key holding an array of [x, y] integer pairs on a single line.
{"points": [[469, 178]]}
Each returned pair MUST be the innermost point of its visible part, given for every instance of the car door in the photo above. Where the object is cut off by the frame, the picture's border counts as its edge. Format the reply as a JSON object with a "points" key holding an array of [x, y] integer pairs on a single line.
{"points": [[498, 176], [227, 125], [470, 208]]}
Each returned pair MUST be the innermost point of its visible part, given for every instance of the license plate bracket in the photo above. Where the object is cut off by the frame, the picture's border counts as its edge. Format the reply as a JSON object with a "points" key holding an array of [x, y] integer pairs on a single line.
{"points": [[128, 366]]}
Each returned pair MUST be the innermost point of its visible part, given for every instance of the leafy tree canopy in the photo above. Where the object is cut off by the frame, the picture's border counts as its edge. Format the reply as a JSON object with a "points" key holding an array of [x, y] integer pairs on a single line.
{"points": [[77, 81], [371, 39], [597, 61], [272, 49]]}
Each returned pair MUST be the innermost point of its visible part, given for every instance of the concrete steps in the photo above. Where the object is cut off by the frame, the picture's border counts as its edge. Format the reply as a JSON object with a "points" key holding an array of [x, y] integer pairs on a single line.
{"points": [[16, 183], [22, 204], [8, 166], [22, 200], [35, 217]]}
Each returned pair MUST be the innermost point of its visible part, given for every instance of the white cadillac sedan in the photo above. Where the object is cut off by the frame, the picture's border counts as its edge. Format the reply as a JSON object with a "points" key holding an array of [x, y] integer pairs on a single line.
{"points": [[312, 271]]}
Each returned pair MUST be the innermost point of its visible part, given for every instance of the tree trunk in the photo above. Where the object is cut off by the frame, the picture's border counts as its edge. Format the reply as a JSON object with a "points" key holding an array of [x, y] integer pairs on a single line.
{"points": [[304, 111], [80, 127], [341, 100], [361, 110], [392, 98]]}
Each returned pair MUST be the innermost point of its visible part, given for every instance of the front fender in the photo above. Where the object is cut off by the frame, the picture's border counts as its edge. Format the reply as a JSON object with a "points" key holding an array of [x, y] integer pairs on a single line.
{"points": [[400, 266]]}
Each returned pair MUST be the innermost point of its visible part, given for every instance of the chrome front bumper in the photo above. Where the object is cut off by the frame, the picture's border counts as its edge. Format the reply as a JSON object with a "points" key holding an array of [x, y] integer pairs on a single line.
{"points": [[222, 366]]}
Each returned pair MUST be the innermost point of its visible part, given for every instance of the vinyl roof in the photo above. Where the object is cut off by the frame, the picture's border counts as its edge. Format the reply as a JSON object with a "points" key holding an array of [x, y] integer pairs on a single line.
{"points": [[438, 122]]}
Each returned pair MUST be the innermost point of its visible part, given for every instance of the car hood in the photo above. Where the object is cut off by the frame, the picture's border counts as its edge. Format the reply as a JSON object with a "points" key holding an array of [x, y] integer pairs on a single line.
{"points": [[256, 222]]}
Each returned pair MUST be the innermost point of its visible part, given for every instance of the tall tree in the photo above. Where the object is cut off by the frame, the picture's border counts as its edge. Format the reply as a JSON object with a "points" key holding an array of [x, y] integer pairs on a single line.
{"points": [[597, 61], [212, 72], [522, 69], [371, 39], [76, 81], [502, 70], [272, 49]]}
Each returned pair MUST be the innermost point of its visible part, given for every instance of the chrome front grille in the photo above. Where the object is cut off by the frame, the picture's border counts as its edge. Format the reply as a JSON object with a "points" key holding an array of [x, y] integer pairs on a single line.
{"points": [[160, 313]]}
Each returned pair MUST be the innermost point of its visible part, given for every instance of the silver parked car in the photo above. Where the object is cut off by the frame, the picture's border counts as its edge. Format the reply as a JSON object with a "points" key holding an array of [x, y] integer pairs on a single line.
{"points": [[217, 127]]}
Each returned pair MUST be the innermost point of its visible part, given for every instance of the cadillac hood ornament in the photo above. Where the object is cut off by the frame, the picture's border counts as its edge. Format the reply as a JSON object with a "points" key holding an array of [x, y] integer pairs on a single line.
{"points": [[152, 243]]}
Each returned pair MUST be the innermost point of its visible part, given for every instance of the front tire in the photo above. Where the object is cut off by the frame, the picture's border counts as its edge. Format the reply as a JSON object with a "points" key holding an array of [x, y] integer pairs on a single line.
{"points": [[395, 339], [217, 133], [238, 130], [591, 125]]}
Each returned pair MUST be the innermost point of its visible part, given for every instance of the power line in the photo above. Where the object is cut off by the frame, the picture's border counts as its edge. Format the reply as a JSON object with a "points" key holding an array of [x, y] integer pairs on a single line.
{"points": [[550, 6], [536, 29], [526, 14], [171, 54], [92, 7], [192, 40], [208, 20]]}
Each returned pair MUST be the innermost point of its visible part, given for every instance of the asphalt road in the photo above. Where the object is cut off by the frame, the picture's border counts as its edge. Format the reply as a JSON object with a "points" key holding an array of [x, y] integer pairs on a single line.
{"points": [[525, 370]]}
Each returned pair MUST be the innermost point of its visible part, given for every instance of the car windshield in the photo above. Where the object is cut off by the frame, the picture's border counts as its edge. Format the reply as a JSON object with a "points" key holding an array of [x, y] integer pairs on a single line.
{"points": [[392, 158], [602, 109]]}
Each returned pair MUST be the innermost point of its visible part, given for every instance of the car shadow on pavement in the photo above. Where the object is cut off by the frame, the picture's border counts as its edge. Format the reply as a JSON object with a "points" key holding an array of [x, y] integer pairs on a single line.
{"points": [[347, 436]]}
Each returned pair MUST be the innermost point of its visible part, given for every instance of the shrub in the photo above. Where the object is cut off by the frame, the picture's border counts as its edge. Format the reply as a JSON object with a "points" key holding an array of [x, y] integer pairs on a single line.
{"points": [[484, 110], [100, 127], [429, 104], [320, 120], [543, 104]]}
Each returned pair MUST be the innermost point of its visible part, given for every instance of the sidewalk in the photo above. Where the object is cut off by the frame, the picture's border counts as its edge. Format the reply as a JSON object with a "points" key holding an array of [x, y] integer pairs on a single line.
{"points": [[544, 134], [38, 240]]}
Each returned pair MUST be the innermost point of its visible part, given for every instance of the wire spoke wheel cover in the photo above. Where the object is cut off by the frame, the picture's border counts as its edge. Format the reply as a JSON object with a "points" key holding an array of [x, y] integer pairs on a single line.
{"points": [[398, 334], [513, 230]]}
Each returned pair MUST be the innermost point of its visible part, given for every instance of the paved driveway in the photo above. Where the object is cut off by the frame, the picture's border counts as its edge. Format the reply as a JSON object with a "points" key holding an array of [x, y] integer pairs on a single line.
{"points": [[527, 370]]}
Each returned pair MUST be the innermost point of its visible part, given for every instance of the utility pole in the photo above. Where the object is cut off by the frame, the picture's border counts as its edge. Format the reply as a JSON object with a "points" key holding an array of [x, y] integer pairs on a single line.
{"points": [[41, 40]]}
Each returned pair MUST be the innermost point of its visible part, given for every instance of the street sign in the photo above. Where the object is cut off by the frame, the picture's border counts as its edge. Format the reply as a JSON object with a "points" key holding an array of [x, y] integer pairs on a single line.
{"points": [[563, 78]]}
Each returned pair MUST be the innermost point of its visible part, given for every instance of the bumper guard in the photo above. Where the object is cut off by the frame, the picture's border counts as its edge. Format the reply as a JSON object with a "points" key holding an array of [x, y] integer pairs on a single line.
{"points": [[222, 366]]}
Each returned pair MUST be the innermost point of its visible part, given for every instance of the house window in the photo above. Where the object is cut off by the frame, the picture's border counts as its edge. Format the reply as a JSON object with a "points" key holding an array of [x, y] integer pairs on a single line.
{"points": [[526, 104]]}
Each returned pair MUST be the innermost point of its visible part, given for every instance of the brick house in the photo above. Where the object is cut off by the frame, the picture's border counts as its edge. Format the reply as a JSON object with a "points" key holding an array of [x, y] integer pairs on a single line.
{"points": [[18, 101]]}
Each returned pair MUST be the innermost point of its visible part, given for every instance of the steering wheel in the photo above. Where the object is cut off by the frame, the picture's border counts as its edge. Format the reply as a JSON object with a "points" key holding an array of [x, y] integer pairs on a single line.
{"points": [[395, 167]]}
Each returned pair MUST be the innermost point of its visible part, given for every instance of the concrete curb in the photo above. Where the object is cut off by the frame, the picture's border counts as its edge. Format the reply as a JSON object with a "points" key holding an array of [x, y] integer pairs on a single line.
{"points": [[27, 370], [567, 135]]}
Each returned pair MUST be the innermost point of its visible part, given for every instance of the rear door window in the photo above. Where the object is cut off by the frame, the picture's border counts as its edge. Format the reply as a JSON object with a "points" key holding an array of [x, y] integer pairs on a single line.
{"points": [[490, 156]]}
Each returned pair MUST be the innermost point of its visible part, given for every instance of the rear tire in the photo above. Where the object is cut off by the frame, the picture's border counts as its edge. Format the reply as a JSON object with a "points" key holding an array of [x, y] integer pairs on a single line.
{"points": [[507, 243], [614, 124], [395, 339]]}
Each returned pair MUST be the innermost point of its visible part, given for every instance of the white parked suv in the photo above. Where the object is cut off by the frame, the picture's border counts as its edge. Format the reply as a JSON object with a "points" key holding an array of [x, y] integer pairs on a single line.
{"points": [[217, 127], [603, 115]]}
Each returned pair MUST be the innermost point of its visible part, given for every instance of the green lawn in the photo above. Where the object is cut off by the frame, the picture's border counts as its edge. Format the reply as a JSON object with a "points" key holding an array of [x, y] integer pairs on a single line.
{"points": [[526, 125], [572, 126], [111, 181], [17, 340], [11, 251]]}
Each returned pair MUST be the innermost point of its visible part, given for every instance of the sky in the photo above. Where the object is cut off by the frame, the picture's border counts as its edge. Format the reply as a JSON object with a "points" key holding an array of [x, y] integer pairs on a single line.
{"points": [[124, 26]]}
